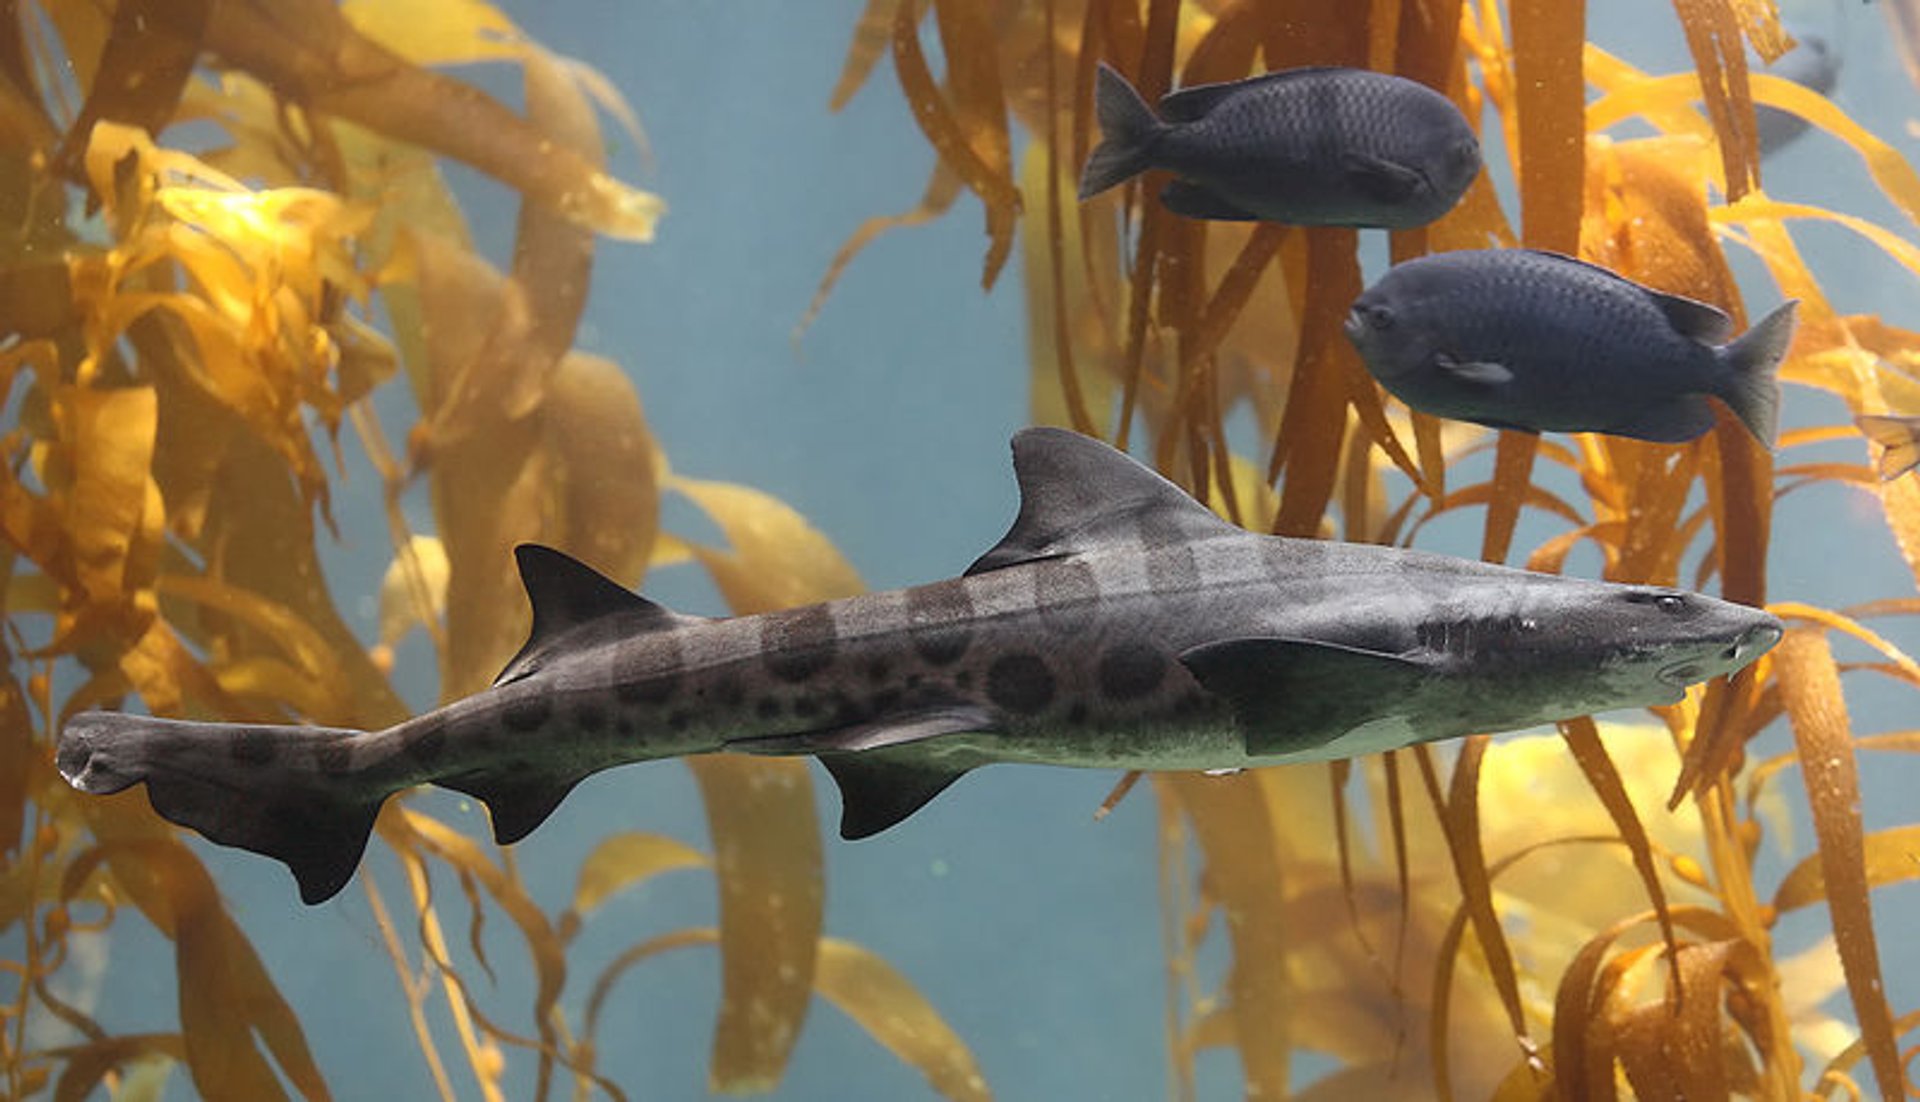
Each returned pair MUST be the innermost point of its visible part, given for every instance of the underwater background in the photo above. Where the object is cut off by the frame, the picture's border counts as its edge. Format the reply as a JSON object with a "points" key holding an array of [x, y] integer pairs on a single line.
{"points": [[659, 936]]}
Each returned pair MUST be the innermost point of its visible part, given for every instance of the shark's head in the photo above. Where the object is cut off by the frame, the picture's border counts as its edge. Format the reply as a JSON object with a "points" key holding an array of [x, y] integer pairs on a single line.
{"points": [[1631, 645]]}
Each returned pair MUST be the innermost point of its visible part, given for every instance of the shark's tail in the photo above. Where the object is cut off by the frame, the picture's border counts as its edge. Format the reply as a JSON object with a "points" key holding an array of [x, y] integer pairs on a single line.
{"points": [[276, 790]]}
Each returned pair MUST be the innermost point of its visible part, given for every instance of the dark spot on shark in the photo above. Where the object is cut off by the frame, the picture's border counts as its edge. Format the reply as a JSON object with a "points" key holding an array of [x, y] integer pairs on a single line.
{"points": [[1020, 683], [427, 746], [1067, 595], [253, 746], [883, 700], [529, 713], [937, 619], [879, 669], [767, 707], [963, 680], [1129, 671], [846, 713], [651, 691], [677, 720], [806, 707], [1190, 702], [914, 680], [728, 693], [799, 643], [623, 726], [1078, 713], [590, 717]]}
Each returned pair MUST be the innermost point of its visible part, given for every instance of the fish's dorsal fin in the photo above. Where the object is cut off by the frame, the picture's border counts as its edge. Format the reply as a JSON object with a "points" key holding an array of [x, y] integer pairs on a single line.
{"points": [[1194, 101], [567, 593], [1689, 317], [1077, 494]]}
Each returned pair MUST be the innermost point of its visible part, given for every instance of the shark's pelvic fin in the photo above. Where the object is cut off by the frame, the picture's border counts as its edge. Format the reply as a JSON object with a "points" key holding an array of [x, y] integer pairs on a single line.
{"points": [[517, 803], [876, 793], [1293, 695], [1077, 493], [566, 594]]}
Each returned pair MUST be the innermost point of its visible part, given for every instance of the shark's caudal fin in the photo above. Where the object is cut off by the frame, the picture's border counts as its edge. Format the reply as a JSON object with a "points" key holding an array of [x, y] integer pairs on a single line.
{"points": [[1751, 390], [1127, 130], [262, 788], [1077, 493]]}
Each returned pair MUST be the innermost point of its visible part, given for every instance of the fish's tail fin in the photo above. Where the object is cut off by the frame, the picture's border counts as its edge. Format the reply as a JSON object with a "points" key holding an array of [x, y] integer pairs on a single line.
{"points": [[264, 788], [1899, 440], [1127, 130], [1751, 390]]}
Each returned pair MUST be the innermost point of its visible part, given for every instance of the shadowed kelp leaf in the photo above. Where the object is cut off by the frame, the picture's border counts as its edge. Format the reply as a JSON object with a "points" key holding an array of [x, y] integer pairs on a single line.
{"points": [[777, 560], [621, 861], [869, 990]]}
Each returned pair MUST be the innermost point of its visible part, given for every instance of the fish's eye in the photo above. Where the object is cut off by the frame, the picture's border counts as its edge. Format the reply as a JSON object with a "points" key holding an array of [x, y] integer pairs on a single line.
{"points": [[1376, 315]]}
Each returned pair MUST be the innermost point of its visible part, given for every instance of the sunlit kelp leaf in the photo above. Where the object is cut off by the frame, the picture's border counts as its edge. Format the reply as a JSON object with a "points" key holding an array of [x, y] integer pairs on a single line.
{"points": [[413, 591], [109, 438], [1548, 39], [608, 505], [1889, 856], [767, 856], [869, 990], [1719, 56], [778, 560], [438, 32], [290, 45], [621, 861], [1810, 687], [1230, 821]]}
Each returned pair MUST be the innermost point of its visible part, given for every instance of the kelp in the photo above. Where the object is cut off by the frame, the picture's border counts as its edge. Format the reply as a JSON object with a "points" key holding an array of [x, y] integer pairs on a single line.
{"points": [[1625, 947], [190, 349]]}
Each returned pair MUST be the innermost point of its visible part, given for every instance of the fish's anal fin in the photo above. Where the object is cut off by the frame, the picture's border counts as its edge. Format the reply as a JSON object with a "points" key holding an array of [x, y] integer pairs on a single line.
{"points": [[1477, 372], [566, 593], [1078, 494], [1293, 696], [1675, 421], [1190, 200], [516, 802], [1380, 179], [876, 791]]}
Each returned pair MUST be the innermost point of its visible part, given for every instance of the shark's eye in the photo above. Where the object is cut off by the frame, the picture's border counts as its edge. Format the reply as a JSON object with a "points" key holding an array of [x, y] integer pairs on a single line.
{"points": [[1670, 602]]}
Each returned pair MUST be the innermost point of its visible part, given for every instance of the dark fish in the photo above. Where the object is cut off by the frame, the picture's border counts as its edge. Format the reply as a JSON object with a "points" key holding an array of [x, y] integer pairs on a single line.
{"points": [[1812, 63], [1899, 440], [1522, 339], [1310, 147], [1119, 624]]}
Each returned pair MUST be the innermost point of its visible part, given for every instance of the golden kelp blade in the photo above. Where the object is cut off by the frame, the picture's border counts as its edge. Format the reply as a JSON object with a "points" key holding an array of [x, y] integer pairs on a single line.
{"points": [[1899, 440]]}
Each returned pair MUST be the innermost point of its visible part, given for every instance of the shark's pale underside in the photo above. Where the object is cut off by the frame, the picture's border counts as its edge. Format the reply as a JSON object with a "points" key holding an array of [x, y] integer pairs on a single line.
{"points": [[1120, 624]]}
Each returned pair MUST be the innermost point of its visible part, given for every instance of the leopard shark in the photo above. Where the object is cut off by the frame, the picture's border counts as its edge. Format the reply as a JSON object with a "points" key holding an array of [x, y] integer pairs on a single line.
{"points": [[1120, 624]]}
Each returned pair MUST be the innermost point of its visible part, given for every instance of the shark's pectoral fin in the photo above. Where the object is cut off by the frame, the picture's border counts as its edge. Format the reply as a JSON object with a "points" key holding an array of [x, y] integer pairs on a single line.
{"points": [[1291, 696], [877, 791], [880, 733], [517, 802]]}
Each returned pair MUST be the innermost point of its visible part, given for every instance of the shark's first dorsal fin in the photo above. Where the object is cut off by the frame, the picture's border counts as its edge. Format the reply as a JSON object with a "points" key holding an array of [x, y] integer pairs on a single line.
{"points": [[567, 593], [1077, 493]]}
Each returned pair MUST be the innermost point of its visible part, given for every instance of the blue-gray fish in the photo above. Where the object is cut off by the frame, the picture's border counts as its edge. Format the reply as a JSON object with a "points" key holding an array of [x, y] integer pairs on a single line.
{"points": [[1812, 63], [1522, 339], [1311, 147], [1119, 624]]}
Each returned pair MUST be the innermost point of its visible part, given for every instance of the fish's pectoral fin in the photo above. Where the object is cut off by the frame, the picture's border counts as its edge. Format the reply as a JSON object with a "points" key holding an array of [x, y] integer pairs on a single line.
{"points": [[1077, 494], [1191, 200], [877, 791], [516, 802], [1295, 695], [1477, 372], [1380, 179], [1898, 439], [1675, 421]]}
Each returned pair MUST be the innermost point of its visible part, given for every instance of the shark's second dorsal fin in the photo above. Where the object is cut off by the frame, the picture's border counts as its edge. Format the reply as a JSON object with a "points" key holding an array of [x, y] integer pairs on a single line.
{"points": [[567, 593], [1077, 493]]}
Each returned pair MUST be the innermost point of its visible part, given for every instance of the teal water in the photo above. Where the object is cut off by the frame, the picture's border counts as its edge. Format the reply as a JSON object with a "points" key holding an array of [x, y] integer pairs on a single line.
{"points": [[1033, 929]]}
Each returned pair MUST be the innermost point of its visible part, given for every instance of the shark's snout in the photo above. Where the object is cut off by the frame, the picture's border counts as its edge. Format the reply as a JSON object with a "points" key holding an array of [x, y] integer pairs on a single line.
{"points": [[1754, 642]]}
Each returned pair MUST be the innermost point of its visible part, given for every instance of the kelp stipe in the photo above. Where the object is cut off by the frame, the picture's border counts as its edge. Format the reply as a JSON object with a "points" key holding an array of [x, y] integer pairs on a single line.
{"points": [[191, 353], [1141, 321]]}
